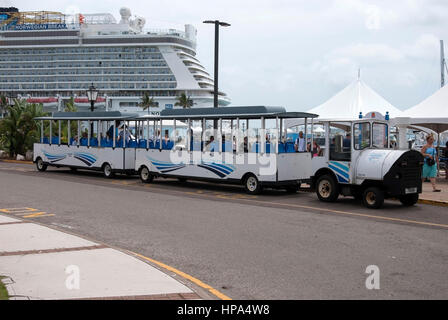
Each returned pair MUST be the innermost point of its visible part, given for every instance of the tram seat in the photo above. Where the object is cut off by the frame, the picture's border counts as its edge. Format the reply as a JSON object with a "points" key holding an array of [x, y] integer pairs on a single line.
{"points": [[257, 148], [46, 140], [142, 143], [167, 145], [106, 143], [54, 140], [93, 142], [227, 147], [131, 144], [281, 148], [290, 147], [119, 144], [155, 145], [83, 142]]}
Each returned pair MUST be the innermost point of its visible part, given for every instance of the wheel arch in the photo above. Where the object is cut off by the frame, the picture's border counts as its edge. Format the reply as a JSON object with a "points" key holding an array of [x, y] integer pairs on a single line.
{"points": [[321, 172], [244, 177]]}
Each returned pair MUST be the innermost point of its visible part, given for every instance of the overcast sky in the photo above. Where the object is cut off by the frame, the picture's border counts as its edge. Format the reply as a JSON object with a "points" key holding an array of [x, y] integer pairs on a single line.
{"points": [[298, 53]]}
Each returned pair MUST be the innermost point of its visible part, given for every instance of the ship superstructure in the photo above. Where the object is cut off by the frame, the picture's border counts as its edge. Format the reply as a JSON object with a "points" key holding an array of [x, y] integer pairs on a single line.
{"points": [[49, 57]]}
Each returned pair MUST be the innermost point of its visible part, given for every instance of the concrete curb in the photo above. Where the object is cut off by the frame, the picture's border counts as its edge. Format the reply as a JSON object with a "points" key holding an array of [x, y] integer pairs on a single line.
{"points": [[16, 161], [433, 202]]}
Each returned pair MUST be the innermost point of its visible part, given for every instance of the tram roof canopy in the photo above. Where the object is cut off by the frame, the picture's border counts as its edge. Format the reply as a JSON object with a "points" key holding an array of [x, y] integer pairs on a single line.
{"points": [[100, 115], [248, 112]]}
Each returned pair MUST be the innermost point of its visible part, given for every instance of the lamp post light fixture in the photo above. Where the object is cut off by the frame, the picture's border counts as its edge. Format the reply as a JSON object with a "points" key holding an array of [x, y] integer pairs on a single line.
{"points": [[92, 95], [217, 23]]}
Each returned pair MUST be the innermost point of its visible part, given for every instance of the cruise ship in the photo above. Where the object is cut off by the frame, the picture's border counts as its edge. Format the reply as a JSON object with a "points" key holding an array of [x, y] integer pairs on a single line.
{"points": [[49, 58]]}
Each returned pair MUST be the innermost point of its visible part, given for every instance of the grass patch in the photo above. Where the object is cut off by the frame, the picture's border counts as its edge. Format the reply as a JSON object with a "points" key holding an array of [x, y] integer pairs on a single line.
{"points": [[3, 292]]}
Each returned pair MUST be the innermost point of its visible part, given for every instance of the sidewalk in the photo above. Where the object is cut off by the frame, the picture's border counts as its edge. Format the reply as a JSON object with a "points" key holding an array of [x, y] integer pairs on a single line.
{"points": [[435, 198], [42, 263]]}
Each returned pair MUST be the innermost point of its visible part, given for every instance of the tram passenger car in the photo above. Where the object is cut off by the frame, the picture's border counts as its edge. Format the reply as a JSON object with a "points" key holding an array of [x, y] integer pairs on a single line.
{"points": [[237, 145], [79, 140]]}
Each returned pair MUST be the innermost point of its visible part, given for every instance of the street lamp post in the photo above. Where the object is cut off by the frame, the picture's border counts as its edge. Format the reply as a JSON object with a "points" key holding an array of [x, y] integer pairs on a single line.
{"points": [[217, 23], [92, 95]]}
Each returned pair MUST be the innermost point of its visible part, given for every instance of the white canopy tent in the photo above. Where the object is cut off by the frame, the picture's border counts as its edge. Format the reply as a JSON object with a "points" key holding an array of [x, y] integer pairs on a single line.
{"points": [[349, 102], [435, 106], [355, 98], [431, 113]]}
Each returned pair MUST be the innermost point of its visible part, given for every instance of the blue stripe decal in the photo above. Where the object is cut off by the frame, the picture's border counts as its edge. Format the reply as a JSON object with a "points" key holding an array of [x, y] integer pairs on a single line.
{"points": [[339, 171], [340, 165], [54, 157], [219, 168], [218, 173], [343, 174], [87, 158]]}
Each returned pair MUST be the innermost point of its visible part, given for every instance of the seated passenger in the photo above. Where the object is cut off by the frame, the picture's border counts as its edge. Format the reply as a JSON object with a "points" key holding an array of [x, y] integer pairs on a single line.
{"points": [[110, 131], [211, 145], [75, 141], [166, 138]]}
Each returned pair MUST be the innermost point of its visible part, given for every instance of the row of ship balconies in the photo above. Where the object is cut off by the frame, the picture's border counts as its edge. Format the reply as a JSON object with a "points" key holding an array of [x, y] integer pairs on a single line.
{"points": [[99, 64], [79, 50], [95, 78], [148, 71], [80, 57], [106, 85]]}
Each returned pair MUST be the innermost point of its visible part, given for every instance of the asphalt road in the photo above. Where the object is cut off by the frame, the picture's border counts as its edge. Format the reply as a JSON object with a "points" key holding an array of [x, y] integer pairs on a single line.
{"points": [[272, 246]]}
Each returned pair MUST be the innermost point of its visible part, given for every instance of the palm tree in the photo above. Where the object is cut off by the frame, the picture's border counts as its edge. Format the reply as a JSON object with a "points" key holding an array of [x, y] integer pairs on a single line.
{"points": [[147, 102], [3, 105], [184, 101], [19, 130], [70, 106]]}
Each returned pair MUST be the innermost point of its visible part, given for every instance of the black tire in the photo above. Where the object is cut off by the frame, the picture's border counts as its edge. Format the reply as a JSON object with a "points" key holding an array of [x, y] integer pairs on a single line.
{"points": [[252, 185], [409, 200], [107, 171], [327, 189], [40, 165], [145, 175], [373, 198]]}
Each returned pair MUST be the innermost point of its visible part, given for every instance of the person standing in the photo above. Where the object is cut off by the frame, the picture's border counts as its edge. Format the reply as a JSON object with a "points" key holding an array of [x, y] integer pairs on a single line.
{"points": [[431, 162], [300, 145], [446, 160]]}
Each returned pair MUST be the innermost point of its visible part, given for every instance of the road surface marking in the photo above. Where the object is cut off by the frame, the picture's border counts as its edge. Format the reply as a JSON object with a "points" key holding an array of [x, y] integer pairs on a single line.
{"points": [[39, 214], [186, 276], [26, 212]]}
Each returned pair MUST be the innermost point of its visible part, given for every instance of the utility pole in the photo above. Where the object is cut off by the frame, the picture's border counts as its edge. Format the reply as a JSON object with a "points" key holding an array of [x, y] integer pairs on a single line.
{"points": [[442, 64]]}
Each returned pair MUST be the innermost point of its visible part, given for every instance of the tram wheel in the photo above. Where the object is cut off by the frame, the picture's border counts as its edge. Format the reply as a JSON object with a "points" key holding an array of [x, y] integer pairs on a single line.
{"points": [[145, 175], [107, 171], [252, 185], [409, 200], [373, 198], [327, 188], [40, 165]]}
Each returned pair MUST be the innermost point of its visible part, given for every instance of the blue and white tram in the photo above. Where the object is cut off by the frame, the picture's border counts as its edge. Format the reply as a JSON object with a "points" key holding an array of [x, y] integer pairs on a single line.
{"points": [[239, 145], [85, 140]]}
